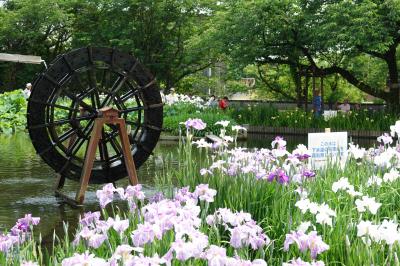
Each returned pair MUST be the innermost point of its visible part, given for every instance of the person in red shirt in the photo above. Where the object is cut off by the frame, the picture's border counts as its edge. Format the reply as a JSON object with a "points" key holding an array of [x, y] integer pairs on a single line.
{"points": [[223, 103]]}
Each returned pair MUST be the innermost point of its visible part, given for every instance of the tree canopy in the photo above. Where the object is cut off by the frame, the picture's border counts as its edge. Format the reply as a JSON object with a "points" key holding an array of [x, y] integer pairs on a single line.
{"points": [[355, 39], [167, 36], [279, 42]]}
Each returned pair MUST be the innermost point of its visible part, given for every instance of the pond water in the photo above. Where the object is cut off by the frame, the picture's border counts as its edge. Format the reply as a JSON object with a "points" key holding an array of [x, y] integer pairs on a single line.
{"points": [[26, 182]]}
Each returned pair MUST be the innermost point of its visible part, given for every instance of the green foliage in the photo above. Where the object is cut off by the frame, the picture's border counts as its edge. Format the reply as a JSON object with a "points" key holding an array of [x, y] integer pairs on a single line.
{"points": [[198, 84], [356, 120], [12, 112], [41, 27], [177, 39], [356, 39], [165, 35], [13, 117], [234, 86], [274, 206], [173, 115]]}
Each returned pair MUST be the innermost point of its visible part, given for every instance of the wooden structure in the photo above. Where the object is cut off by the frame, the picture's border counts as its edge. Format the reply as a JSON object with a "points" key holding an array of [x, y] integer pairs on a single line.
{"points": [[107, 116], [24, 59], [313, 73], [79, 111]]}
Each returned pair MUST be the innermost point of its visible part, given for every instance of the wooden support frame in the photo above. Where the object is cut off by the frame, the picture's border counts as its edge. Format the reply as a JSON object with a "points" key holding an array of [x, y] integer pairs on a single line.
{"points": [[106, 115]]}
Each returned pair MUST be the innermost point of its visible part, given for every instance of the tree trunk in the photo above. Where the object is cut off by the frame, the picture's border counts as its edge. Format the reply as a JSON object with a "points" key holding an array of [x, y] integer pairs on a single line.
{"points": [[11, 80], [305, 93], [168, 84], [322, 93], [394, 98], [297, 82]]}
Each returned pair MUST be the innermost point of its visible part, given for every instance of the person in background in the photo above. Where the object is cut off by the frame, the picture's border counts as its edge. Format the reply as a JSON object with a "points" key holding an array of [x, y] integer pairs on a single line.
{"points": [[345, 106], [212, 102], [223, 103], [317, 103], [27, 91]]}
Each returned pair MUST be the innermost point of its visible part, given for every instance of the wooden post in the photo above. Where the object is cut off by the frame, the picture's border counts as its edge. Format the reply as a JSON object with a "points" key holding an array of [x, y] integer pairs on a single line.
{"points": [[129, 162], [107, 115], [306, 92], [322, 93], [313, 81], [89, 160]]}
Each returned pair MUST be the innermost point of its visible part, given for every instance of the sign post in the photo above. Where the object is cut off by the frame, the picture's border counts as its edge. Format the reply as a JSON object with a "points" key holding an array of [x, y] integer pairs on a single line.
{"points": [[327, 147]]}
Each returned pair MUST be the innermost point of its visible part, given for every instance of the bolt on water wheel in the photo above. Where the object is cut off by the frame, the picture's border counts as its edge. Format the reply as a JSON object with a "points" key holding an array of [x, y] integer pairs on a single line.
{"points": [[64, 104]]}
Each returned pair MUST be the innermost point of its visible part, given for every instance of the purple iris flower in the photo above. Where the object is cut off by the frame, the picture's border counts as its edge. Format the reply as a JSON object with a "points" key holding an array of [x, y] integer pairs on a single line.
{"points": [[279, 175], [23, 224], [302, 157], [90, 218], [159, 196], [196, 123], [308, 173]]}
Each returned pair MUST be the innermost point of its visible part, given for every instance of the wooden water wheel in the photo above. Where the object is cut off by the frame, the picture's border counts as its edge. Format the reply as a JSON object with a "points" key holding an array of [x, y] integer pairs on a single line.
{"points": [[66, 99]]}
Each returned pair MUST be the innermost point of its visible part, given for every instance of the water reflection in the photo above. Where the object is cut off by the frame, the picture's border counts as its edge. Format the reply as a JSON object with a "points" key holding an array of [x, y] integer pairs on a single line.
{"points": [[26, 184]]}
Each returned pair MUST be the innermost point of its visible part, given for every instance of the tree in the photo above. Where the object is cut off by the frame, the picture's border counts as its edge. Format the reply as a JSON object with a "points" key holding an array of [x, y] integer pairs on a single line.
{"points": [[39, 27], [371, 33], [324, 37], [167, 36]]}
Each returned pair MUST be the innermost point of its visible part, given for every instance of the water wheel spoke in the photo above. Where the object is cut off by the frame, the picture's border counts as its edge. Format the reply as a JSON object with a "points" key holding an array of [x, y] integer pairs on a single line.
{"points": [[139, 108], [137, 126], [132, 109], [68, 94], [103, 150], [80, 102], [71, 132], [93, 99], [118, 105], [116, 147], [80, 140], [63, 121], [110, 135], [118, 84], [54, 105], [133, 123], [58, 141], [120, 102], [72, 151], [129, 95], [86, 93]]}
